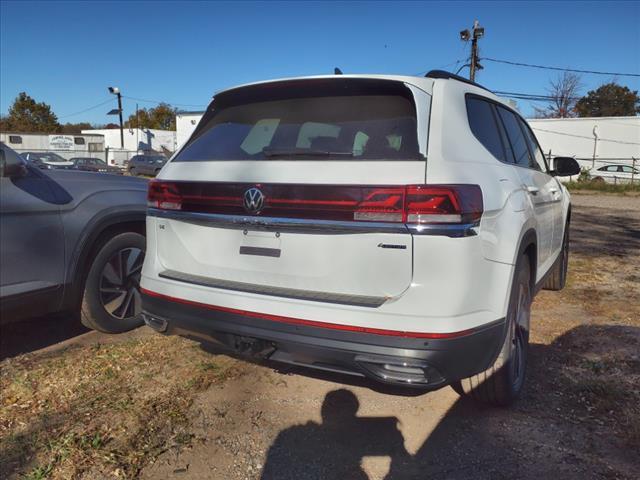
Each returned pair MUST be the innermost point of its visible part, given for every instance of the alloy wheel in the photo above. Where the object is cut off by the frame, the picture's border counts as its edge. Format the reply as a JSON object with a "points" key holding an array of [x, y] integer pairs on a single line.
{"points": [[520, 329], [120, 283]]}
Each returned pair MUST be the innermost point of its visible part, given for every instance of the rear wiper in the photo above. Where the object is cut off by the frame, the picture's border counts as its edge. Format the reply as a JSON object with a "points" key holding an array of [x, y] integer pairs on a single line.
{"points": [[302, 152]]}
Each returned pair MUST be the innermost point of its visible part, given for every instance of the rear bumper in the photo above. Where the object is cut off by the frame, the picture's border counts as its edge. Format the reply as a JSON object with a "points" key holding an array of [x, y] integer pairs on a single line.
{"points": [[410, 359]]}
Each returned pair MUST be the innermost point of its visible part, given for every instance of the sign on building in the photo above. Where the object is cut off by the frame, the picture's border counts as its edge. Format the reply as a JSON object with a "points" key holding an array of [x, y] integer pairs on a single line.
{"points": [[60, 142]]}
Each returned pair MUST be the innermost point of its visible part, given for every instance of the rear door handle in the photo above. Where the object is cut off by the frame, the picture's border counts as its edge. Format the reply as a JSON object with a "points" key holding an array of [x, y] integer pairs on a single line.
{"points": [[532, 190]]}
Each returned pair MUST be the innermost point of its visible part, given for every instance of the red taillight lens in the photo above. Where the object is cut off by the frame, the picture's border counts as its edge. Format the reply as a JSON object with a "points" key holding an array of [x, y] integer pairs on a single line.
{"points": [[402, 204], [380, 205], [443, 204], [164, 195]]}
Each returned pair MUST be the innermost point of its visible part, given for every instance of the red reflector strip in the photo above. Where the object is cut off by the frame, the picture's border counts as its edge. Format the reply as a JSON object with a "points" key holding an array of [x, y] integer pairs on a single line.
{"points": [[308, 323]]}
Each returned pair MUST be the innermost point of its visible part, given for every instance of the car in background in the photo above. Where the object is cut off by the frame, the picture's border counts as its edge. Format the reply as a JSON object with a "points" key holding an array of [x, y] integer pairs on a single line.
{"points": [[146, 164], [70, 241], [89, 164], [47, 160], [617, 173]]}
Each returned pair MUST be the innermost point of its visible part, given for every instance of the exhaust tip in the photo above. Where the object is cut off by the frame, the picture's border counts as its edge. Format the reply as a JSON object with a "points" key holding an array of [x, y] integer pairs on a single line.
{"points": [[160, 325], [400, 371]]}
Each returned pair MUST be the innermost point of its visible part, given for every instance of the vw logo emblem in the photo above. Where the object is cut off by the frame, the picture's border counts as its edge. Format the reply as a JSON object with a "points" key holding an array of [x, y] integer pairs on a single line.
{"points": [[253, 200]]}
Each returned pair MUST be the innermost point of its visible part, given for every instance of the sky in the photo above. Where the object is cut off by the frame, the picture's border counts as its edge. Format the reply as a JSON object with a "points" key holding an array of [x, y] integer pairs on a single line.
{"points": [[67, 53]]}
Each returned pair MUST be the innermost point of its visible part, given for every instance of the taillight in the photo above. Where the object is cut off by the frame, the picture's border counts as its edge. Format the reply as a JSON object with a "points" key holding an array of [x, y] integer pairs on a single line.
{"points": [[414, 204], [443, 204], [422, 204], [164, 195], [381, 205]]}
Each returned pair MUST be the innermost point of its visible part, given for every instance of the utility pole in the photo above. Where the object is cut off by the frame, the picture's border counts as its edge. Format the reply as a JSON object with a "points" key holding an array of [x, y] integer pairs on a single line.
{"points": [[474, 35], [116, 91], [120, 115]]}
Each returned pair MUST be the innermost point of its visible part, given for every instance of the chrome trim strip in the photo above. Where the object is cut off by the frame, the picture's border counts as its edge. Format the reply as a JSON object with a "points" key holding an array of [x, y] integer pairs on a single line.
{"points": [[325, 297], [275, 224], [301, 225], [456, 230]]}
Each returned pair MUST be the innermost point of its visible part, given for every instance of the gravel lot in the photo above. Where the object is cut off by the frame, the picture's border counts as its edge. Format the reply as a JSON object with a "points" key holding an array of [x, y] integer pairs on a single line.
{"points": [[197, 414]]}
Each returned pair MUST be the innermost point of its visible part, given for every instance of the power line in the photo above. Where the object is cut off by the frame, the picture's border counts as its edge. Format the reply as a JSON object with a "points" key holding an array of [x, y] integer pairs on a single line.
{"points": [[86, 109], [170, 103], [576, 70], [532, 96]]}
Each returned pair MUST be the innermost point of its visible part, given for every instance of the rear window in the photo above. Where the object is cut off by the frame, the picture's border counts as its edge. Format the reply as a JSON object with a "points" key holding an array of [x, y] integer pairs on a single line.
{"points": [[310, 120]]}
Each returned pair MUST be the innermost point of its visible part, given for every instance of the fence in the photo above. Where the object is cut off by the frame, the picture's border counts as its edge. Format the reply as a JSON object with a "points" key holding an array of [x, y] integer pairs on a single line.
{"points": [[621, 170]]}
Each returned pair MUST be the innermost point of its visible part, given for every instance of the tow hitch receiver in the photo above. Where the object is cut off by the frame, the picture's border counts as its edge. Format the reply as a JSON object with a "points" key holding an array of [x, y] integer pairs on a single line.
{"points": [[254, 347]]}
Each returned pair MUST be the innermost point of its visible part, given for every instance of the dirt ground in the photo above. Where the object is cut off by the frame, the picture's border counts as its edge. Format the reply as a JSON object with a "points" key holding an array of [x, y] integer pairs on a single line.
{"points": [[141, 405]]}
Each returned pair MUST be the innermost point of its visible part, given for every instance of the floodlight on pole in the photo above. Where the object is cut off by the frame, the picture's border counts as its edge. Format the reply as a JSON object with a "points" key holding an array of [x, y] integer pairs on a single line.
{"points": [[465, 35], [116, 91]]}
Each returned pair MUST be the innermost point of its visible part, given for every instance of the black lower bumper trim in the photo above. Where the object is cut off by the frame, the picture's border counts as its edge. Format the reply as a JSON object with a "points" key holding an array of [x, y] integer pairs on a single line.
{"points": [[427, 363]]}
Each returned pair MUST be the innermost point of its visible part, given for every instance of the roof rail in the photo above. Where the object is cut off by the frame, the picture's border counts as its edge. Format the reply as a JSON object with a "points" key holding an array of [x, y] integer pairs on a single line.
{"points": [[453, 76]]}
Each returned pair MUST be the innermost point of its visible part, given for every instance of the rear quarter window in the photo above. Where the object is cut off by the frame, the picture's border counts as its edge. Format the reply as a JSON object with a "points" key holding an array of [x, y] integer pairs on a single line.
{"points": [[484, 127], [516, 138]]}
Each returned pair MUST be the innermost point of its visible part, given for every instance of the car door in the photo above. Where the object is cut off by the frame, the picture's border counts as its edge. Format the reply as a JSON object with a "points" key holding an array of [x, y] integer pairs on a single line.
{"points": [[628, 174], [133, 163], [31, 233], [542, 188], [151, 165], [552, 183]]}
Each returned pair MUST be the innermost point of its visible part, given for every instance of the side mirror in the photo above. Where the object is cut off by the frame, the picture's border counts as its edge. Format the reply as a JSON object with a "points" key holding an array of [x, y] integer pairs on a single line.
{"points": [[565, 167]]}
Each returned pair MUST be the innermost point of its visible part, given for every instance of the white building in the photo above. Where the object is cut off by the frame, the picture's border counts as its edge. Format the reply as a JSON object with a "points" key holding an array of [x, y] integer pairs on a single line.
{"points": [[65, 145], [592, 140], [136, 140], [186, 123]]}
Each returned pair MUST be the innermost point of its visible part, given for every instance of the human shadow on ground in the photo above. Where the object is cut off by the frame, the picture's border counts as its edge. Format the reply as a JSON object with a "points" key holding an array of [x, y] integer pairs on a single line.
{"points": [[561, 427], [334, 448]]}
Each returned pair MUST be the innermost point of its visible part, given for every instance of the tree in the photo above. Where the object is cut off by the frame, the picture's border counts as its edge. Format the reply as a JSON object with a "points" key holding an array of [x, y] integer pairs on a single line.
{"points": [[563, 94], [162, 117], [609, 100], [26, 115]]}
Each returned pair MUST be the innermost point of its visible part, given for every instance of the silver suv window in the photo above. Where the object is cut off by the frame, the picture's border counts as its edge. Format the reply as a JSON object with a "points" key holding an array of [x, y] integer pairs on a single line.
{"points": [[336, 119]]}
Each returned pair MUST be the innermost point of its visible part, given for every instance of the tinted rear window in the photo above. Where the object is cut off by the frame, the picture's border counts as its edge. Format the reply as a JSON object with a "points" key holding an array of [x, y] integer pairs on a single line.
{"points": [[484, 127], [516, 138], [310, 120]]}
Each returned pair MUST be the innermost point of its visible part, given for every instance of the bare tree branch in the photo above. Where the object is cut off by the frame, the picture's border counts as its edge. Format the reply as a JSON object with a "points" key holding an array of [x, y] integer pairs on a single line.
{"points": [[563, 93]]}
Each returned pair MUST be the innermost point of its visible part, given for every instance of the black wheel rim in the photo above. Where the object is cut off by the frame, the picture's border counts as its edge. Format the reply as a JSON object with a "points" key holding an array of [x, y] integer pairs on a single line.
{"points": [[120, 283], [565, 253], [519, 338]]}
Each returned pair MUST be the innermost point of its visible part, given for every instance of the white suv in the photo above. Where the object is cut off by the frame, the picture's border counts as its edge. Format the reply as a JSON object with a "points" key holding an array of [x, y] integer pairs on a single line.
{"points": [[389, 227]]}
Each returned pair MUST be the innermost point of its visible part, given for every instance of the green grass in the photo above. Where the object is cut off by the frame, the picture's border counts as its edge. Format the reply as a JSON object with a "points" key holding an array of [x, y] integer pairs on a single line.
{"points": [[603, 187]]}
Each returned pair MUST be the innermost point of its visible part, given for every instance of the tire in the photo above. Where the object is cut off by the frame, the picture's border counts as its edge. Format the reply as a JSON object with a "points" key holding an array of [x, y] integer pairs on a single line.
{"points": [[557, 279], [502, 383], [598, 180], [111, 298], [132, 172]]}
